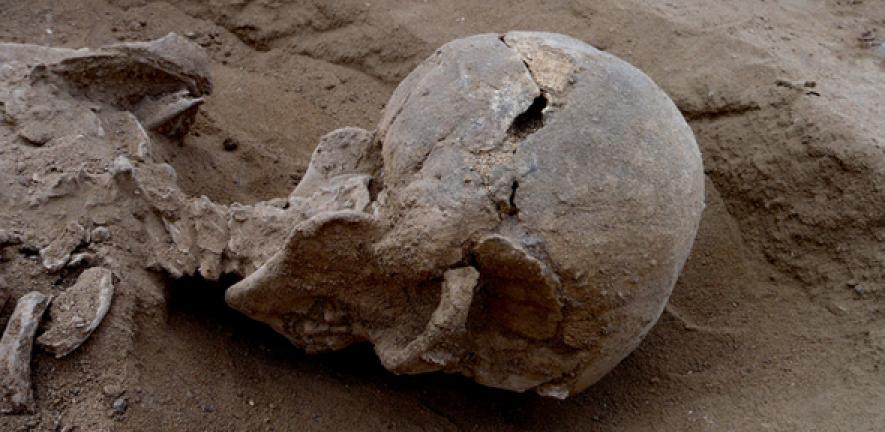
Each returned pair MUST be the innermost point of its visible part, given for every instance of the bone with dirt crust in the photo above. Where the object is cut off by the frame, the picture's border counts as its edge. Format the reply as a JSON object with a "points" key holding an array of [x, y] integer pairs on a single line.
{"points": [[520, 217], [122, 96], [57, 253], [4, 292], [61, 97], [16, 394], [78, 311]]}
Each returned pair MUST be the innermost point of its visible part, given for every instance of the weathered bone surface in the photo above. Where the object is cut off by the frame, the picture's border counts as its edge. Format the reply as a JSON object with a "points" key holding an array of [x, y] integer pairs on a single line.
{"points": [[16, 394], [520, 217], [58, 253], [78, 311]]}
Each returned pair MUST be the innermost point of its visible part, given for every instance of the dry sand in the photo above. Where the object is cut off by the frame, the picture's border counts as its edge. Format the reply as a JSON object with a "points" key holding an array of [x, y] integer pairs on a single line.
{"points": [[777, 323]]}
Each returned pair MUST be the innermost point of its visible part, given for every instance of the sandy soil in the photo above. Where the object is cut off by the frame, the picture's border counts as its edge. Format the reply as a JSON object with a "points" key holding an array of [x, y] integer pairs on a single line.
{"points": [[777, 323]]}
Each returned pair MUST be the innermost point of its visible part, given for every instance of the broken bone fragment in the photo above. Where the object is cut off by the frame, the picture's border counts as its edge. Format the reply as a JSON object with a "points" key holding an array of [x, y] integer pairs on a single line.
{"points": [[16, 393], [487, 227], [431, 350], [58, 252], [78, 311], [60, 94], [171, 114]]}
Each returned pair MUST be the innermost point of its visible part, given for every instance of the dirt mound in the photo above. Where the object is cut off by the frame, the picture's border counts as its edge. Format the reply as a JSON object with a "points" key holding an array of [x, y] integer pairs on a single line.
{"points": [[776, 323]]}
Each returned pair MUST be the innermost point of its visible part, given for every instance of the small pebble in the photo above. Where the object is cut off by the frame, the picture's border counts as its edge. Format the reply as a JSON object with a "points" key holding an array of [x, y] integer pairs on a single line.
{"points": [[230, 144], [120, 405], [112, 390], [100, 235]]}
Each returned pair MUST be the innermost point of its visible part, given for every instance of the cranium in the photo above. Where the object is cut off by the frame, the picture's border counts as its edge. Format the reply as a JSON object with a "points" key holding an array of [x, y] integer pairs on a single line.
{"points": [[519, 216]]}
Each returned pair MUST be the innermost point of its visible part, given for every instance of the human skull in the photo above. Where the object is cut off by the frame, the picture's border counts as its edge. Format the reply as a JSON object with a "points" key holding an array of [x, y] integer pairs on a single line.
{"points": [[519, 216]]}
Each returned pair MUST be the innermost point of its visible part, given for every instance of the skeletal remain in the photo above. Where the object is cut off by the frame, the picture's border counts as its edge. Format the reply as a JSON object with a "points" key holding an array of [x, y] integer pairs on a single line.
{"points": [[78, 311], [170, 64], [535, 200], [163, 81], [519, 215], [57, 254], [16, 394], [170, 114]]}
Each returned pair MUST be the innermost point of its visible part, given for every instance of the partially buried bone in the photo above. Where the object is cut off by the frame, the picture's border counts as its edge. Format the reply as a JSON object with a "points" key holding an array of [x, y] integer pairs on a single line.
{"points": [[170, 114], [162, 81], [16, 394], [78, 311], [58, 252], [520, 217]]}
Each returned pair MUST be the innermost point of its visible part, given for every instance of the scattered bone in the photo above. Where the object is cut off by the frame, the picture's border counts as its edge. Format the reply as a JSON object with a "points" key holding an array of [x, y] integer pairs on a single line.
{"points": [[69, 90], [57, 254], [16, 394], [176, 56], [478, 230], [172, 114], [105, 74], [78, 311]]}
